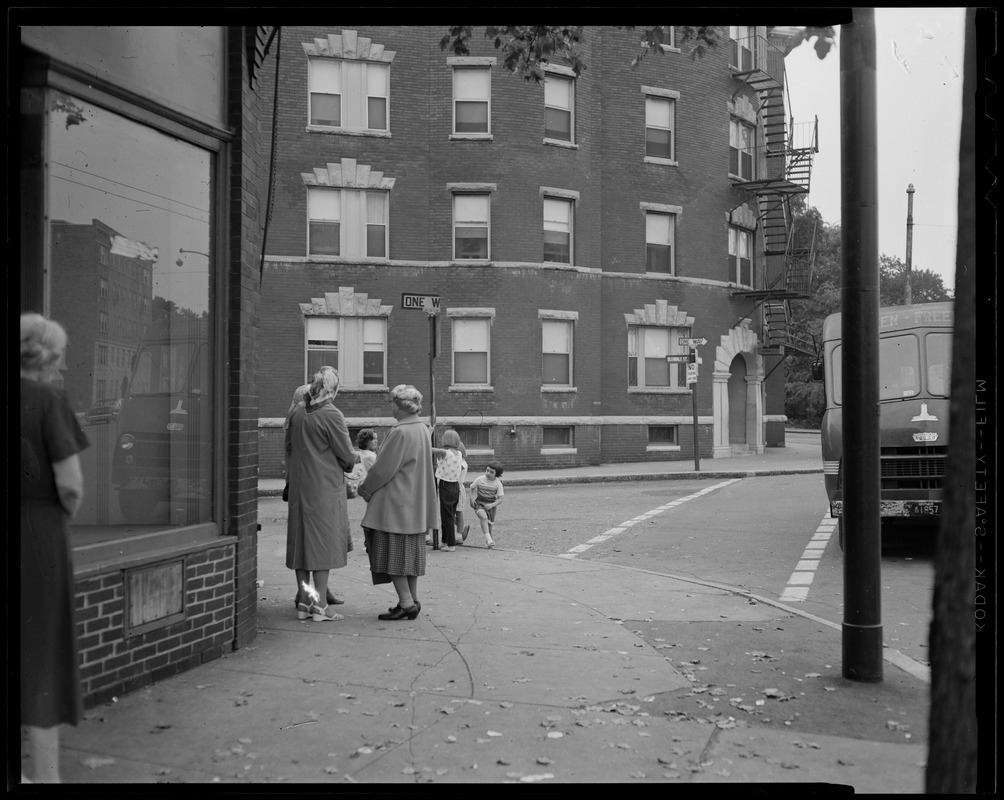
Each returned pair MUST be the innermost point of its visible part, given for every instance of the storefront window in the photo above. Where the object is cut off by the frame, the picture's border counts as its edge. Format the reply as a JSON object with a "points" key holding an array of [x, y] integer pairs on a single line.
{"points": [[129, 209]]}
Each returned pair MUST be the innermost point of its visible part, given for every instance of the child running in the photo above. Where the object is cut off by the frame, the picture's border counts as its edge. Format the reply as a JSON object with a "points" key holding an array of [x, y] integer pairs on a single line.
{"points": [[486, 493]]}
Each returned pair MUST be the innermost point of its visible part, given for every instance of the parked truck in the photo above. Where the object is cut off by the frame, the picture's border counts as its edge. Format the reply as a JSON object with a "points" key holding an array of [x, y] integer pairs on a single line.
{"points": [[915, 348]]}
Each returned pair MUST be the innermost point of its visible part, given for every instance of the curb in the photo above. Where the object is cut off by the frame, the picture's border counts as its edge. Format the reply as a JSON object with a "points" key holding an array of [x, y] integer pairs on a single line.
{"points": [[646, 476]]}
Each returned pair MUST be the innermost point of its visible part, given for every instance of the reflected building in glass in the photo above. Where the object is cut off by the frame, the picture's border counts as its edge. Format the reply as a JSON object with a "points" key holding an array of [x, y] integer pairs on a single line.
{"points": [[103, 296], [140, 233]]}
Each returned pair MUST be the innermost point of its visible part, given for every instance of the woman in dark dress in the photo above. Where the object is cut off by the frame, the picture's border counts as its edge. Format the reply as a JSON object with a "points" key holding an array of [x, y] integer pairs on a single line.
{"points": [[51, 492]]}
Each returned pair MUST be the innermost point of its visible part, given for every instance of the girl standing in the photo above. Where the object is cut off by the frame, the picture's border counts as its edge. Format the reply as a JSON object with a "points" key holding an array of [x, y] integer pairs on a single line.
{"points": [[450, 474]]}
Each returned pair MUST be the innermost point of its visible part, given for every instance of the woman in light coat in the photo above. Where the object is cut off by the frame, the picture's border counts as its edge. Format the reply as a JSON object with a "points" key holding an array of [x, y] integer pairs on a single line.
{"points": [[318, 451], [400, 492]]}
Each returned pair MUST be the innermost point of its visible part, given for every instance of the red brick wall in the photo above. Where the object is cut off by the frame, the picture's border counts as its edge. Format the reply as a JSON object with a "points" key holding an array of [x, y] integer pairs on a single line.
{"points": [[111, 663], [607, 168], [247, 207]]}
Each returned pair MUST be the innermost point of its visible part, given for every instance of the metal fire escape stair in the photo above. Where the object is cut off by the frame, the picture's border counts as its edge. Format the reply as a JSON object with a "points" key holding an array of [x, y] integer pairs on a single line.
{"points": [[786, 271]]}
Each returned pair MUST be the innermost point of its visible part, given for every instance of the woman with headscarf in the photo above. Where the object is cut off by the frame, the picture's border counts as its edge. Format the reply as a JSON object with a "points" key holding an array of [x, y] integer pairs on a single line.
{"points": [[52, 488], [298, 395], [318, 452], [400, 492]]}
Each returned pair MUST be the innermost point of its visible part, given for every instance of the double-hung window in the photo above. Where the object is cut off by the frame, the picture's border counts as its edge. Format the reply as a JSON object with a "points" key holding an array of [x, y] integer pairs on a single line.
{"points": [[740, 263], [471, 226], [471, 347], [742, 138], [557, 336], [324, 226], [648, 365], [660, 123], [348, 95], [742, 47], [660, 233], [324, 78], [558, 214], [355, 346], [472, 92], [364, 214], [559, 107], [660, 237]]}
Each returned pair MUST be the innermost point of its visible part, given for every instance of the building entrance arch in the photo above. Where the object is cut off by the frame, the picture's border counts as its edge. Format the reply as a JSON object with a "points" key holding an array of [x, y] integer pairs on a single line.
{"points": [[737, 388]]}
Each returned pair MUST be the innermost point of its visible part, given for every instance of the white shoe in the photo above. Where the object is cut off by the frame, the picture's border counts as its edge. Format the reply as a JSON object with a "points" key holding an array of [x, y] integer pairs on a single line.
{"points": [[490, 542], [448, 548]]}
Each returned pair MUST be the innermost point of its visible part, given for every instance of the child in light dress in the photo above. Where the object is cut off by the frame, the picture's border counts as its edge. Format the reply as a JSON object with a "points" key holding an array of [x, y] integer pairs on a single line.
{"points": [[451, 471], [486, 492], [366, 443]]}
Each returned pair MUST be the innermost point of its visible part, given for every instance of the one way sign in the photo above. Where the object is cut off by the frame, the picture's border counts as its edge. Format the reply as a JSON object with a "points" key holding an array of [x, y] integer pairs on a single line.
{"points": [[694, 342]]}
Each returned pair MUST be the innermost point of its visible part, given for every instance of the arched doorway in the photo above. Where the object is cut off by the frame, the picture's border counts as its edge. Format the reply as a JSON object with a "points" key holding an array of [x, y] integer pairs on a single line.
{"points": [[737, 403], [737, 387]]}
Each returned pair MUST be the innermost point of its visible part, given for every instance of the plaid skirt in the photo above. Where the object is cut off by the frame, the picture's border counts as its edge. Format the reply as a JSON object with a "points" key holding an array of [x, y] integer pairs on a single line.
{"points": [[394, 554]]}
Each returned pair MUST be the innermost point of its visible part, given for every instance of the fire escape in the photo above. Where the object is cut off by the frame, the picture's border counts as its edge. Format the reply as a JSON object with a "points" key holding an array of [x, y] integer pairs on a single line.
{"points": [[787, 150]]}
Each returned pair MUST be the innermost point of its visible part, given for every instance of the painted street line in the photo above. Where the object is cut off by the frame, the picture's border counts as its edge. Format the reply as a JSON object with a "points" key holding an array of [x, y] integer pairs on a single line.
{"points": [[797, 589], [623, 526]]}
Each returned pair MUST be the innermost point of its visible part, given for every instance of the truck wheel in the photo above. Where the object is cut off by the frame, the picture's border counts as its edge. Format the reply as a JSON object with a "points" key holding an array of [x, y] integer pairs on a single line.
{"points": [[137, 505]]}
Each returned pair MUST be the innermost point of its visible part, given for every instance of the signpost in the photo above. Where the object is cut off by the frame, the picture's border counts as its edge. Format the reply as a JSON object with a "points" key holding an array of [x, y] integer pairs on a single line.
{"points": [[430, 305], [693, 360]]}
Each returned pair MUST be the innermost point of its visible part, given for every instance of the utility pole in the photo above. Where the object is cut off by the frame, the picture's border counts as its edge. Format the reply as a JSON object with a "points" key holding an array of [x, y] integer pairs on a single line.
{"points": [[862, 627], [430, 308], [909, 242]]}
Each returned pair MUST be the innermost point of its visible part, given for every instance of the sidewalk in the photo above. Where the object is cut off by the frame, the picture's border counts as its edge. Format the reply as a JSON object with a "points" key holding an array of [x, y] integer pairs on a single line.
{"points": [[521, 668], [799, 456]]}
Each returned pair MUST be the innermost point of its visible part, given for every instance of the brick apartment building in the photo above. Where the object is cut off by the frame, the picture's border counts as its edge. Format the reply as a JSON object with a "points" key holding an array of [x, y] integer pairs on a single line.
{"points": [[572, 232], [141, 198]]}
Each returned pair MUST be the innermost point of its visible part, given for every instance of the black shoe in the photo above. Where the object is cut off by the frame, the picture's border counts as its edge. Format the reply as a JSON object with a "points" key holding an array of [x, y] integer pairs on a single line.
{"points": [[401, 613], [418, 605]]}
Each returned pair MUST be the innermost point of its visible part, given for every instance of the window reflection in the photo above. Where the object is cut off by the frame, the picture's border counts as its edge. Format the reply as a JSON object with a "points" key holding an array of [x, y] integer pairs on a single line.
{"points": [[129, 279]]}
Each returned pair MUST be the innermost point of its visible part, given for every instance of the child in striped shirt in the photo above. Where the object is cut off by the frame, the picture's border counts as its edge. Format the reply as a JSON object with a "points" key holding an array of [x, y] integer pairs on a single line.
{"points": [[486, 493]]}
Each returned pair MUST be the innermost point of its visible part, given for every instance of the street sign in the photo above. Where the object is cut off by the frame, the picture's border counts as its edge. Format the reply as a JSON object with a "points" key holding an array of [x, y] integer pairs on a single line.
{"points": [[680, 359], [694, 342], [691, 374], [418, 302]]}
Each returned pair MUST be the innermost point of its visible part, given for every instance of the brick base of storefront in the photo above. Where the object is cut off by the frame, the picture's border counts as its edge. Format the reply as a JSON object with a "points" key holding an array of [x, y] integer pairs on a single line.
{"points": [[115, 659]]}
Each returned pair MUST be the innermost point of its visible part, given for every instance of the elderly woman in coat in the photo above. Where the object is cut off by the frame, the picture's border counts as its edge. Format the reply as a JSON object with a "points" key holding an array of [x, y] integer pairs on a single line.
{"points": [[318, 451], [400, 491]]}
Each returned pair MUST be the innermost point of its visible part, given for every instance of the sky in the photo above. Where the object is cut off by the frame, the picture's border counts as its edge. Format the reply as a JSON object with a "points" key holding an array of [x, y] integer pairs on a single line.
{"points": [[919, 54]]}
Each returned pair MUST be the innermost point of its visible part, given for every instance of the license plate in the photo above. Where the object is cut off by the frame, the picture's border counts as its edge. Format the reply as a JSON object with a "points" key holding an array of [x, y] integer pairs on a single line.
{"points": [[910, 508]]}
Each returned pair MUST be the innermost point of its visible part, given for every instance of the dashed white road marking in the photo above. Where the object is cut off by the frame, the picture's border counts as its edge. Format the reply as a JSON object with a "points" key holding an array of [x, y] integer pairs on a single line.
{"points": [[797, 589], [574, 552]]}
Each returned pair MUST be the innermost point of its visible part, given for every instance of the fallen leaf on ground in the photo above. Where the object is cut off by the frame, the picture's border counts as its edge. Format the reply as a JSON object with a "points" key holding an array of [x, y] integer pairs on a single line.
{"points": [[95, 761]]}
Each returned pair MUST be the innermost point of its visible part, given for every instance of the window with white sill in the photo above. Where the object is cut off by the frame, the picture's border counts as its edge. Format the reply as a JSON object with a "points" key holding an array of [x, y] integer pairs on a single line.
{"points": [[355, 346], [471, 351], [471, 226], [559, 108], [347, 95], [472, 92], [660, 238], [347, 222], [648, 348], [742, 141], [740, 268]]}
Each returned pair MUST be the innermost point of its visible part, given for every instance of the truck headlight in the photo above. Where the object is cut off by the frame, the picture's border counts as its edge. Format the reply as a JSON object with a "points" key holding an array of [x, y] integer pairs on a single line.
{"points": [[126, 441]]}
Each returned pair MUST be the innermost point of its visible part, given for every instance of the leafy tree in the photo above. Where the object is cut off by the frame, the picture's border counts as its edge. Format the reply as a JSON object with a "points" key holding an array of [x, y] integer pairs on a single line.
{"points": [[925, 286], [527, 48]]}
